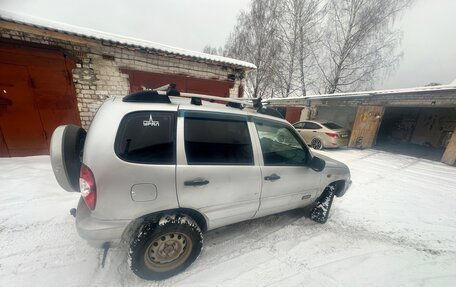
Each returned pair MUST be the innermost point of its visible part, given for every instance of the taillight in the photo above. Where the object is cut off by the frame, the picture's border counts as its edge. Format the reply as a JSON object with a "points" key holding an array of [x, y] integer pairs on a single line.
{"points": [[333, 135], [87, 186]]}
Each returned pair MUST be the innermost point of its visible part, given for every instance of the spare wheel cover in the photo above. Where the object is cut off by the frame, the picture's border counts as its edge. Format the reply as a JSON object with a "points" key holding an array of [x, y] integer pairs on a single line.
{"points": [[66, 148]]}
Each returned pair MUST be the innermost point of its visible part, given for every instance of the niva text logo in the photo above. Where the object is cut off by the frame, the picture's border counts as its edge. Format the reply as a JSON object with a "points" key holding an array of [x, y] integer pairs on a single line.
{"points": [[151, 122]]}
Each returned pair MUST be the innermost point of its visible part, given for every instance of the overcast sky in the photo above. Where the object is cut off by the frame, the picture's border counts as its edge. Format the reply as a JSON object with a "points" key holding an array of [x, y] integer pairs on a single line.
{"points": [[429, 28]]}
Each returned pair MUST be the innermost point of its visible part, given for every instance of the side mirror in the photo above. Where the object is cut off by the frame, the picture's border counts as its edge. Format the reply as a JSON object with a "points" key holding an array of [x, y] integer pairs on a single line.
{"points": [[317, 164]]}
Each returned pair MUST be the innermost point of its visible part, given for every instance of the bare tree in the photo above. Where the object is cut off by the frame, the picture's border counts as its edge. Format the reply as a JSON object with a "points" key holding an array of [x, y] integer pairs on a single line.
{"points": [[297, 24], [255, 39], [208, 49], [359, 42], [318, 45]]}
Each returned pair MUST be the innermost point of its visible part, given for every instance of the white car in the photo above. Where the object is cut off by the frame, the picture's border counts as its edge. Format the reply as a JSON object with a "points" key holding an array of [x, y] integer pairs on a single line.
{"points": [[157, 171], [321, 135]]}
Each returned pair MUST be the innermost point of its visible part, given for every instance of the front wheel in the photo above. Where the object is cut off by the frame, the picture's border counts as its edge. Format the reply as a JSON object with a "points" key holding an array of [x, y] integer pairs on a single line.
{"points": [[164, 249], [320, 212]]}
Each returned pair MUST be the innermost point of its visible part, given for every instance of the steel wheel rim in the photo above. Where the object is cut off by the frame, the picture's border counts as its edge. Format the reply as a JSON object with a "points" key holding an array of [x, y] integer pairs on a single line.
{"points": [[316, 144], [167, 251]]}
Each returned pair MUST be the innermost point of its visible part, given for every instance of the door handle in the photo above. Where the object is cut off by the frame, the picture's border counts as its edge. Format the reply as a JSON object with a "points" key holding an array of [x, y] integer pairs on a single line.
{"points": [[196, 182], [314, 131], [272, 177]]}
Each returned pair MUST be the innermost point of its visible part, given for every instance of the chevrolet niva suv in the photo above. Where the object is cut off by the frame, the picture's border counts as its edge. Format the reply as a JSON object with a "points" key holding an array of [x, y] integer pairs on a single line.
{"points": [[157, 171]]}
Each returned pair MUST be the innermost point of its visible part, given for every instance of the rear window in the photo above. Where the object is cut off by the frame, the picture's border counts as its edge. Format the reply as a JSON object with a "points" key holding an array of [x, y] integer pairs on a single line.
{"points": [[210, 141], [147, 137], [332, 126]]}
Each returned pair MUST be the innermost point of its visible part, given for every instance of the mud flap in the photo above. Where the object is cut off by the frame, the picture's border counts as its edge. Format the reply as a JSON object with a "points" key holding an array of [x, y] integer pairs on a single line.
{"points": [[105, 247], [320, 212]]}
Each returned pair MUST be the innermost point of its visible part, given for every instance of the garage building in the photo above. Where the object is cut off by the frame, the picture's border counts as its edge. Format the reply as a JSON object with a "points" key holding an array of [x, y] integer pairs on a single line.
{"points": [[53, 73], [417, 121]]}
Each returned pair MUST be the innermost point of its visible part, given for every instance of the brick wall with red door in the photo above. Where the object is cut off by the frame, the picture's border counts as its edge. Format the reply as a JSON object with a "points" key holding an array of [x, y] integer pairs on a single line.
{"points": [[36, 96], [140, 80]]}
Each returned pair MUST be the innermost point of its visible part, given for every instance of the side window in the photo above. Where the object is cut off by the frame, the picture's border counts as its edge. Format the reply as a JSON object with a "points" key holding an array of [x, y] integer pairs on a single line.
{"points": [[299, 125], [280, 145], [312, 126], [217, 141], [147, 137]]}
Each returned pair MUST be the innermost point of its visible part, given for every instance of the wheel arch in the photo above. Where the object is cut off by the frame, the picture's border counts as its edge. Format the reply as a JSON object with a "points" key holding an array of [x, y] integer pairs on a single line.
{"points": [[155, 217], [339, 185]]}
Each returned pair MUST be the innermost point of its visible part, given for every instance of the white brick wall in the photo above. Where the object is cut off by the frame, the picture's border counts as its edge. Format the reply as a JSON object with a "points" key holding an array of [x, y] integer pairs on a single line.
{"points": [[96, 78]]}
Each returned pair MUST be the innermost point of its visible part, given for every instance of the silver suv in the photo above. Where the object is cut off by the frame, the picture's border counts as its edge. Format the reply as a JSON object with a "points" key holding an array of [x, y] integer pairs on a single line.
{"points": [[157, 171]]}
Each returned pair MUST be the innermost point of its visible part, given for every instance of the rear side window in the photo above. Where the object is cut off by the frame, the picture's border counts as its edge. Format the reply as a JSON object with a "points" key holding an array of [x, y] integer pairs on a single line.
{"points": [[333, 126], [217, 142], [147, 137], [312, 126]]}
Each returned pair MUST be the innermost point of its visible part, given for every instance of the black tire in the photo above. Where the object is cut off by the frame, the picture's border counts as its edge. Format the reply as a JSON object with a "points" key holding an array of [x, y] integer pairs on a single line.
{"points": [[320, 213], [165, 248], [316, 144], [359, 143]]}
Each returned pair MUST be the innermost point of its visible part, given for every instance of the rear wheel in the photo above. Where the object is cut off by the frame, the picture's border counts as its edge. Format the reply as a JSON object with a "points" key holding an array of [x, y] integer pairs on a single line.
{"points": [[316, 144], [164, 249]]}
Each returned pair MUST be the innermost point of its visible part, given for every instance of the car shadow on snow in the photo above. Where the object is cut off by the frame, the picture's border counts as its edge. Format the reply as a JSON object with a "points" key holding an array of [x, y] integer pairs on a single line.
{"points": [[223, 241], [255, 228]]}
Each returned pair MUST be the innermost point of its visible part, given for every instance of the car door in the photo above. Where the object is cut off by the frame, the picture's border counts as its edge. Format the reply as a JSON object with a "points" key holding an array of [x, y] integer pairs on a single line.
{"points": [[217, 172], [312, 130], [300, 127], [288, 182]]}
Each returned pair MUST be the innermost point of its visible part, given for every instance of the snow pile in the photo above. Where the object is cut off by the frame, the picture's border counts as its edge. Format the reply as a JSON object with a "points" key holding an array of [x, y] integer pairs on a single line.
{"points": [[396, 226]]}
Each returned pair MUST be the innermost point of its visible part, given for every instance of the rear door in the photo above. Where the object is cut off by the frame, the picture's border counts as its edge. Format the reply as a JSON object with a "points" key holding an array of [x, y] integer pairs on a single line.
{"points": [[311, 131], [217, 172], [287, 180], [305, 132]]}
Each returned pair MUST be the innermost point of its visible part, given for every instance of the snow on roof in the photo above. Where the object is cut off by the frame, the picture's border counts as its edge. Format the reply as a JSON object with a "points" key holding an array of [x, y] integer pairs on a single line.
{"points": [[99, 35], [430, 89]]}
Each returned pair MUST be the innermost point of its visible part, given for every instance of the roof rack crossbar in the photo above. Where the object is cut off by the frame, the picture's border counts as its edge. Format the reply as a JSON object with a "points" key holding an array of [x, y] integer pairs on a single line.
{"points": [[247, 102]]}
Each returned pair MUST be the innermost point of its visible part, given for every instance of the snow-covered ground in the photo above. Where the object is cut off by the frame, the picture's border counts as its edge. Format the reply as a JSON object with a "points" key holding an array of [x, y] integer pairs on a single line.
{"points": [[396, 226]]}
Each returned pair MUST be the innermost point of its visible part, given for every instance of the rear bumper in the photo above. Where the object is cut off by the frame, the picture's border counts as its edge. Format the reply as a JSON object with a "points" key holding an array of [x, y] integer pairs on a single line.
{"points": [[335, 143], [97, 231]]}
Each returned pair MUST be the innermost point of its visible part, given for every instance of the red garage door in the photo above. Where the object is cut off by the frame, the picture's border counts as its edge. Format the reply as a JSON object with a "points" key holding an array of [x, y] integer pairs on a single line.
{"points": [[140, 80], [36, 95]]}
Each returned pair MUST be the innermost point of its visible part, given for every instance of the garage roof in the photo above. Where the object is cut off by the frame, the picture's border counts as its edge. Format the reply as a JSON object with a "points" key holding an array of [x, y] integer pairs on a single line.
{"points": [[431, 91], [118, 39]]}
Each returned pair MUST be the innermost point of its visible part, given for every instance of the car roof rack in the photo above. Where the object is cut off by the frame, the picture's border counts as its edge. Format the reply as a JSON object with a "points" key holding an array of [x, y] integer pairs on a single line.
{"points": [[162, 94], [147, 96]]}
